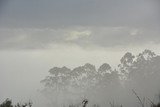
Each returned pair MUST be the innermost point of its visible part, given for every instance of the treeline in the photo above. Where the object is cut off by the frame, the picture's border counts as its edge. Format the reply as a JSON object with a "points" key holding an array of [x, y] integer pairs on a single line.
{"points": [[139, 72]]}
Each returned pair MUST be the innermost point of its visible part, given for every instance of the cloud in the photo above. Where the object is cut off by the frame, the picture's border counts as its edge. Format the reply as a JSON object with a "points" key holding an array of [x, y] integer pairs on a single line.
{"points": [[75, 35], [86, 23], [40, 38], [134, 32]]}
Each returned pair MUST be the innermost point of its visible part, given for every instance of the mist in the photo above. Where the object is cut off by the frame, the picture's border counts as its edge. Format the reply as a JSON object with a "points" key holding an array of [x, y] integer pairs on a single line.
{"points": [[22, 72]]}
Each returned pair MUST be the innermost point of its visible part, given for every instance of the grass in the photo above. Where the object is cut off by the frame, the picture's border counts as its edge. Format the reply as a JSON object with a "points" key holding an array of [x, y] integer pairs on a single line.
{"points": [[8, 103]]}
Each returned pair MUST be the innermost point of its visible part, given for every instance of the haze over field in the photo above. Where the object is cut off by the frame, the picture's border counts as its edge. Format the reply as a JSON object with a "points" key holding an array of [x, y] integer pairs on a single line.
{"points": [[36, 36]]}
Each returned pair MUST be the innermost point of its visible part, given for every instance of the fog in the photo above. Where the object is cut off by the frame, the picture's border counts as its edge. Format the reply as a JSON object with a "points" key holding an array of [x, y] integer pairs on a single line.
{"points": [[22, 71]]}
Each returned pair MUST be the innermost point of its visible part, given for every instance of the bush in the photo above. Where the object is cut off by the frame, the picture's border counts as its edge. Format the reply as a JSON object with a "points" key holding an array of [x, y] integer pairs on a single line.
{"points": [[7, 103]]}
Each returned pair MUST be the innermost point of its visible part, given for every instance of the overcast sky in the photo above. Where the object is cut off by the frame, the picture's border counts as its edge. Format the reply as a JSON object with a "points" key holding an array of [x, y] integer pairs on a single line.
{"points": [[39, 24], [36, 35]]}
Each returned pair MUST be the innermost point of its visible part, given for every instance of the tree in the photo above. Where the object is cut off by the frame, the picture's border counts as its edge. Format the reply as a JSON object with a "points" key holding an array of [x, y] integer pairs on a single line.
{"points": [[104, 73], [143, 65], [108, 81], [141, 72], [83, 77], [126, 65], [104, 68], [56, 84]]}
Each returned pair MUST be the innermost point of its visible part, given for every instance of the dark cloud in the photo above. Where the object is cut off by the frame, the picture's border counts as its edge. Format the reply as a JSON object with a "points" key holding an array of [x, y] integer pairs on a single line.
{"points": [[57, 13]]}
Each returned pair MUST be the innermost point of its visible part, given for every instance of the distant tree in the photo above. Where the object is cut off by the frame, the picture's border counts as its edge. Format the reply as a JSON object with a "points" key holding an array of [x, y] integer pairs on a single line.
{"points": [[56, 83], [77, 82], [104, 68], [126, 65], [108, 81], [107, 76], [83, 77], [141, 72], [144, 65], [57, 79]]}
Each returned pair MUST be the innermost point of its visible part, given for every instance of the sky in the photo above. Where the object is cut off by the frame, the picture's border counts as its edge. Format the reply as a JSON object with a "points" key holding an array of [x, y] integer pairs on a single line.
{"points": [[38, 35]]}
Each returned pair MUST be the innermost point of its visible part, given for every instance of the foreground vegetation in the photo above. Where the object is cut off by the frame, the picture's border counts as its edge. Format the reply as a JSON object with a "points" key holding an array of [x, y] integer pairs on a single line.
{"points": [[8, 103], [142, 102]]}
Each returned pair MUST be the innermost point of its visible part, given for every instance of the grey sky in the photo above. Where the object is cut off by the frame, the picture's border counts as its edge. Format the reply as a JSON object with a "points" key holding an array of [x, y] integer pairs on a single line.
{"points": [[27, 24], [33, 38], [51, 13]]}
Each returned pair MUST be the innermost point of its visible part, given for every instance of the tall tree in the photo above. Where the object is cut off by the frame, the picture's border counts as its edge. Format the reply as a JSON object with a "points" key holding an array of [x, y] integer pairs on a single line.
{"points": [[56, 83], [126, 65], [83, 77]]}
